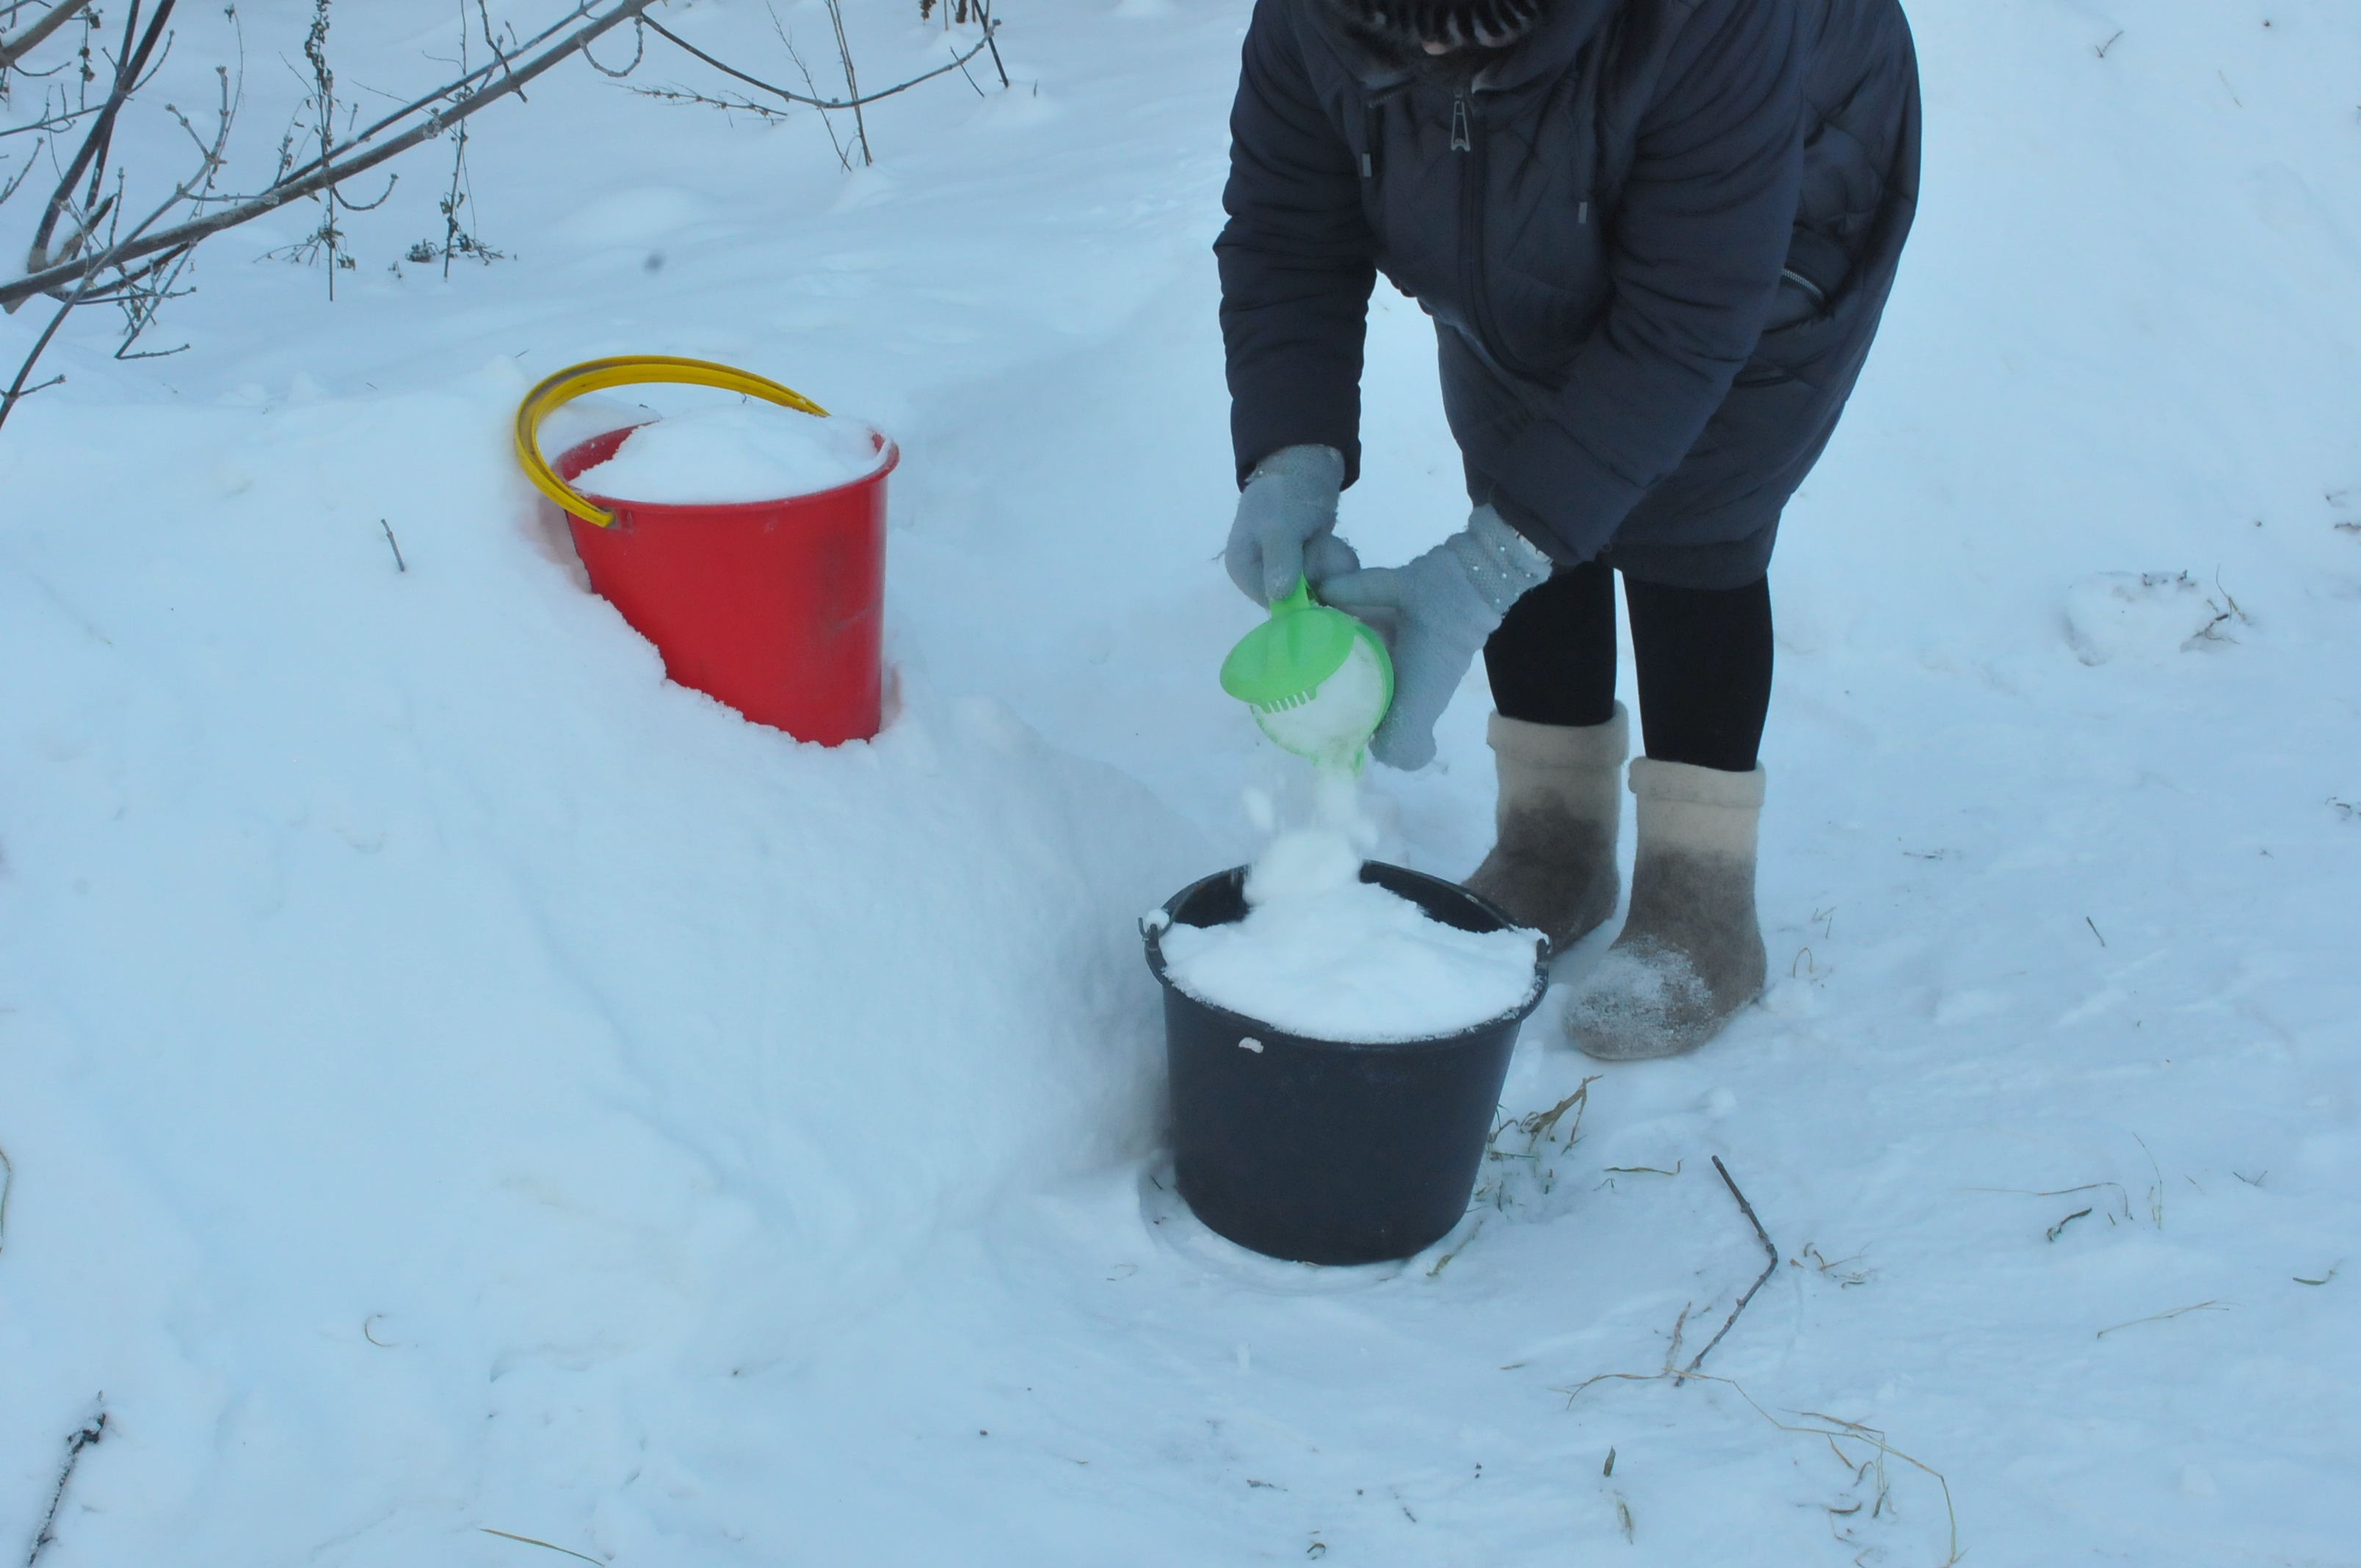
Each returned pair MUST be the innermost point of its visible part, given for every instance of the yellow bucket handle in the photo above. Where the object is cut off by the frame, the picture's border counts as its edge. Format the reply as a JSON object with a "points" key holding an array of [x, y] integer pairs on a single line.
{"points": [[597, 375]]}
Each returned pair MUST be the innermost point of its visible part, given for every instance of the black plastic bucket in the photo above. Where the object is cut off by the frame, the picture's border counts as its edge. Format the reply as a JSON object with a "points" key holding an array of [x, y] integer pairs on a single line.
{"points": [[1328, 1151]]}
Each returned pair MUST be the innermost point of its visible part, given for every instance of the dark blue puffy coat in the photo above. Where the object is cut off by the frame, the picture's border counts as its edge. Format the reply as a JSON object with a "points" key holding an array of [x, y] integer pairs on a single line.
{"points": [[1656, 240]]}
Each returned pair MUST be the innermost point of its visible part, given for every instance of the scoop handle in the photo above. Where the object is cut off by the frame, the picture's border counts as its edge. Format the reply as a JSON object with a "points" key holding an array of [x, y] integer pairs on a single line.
{"points": [[1299, 600]]}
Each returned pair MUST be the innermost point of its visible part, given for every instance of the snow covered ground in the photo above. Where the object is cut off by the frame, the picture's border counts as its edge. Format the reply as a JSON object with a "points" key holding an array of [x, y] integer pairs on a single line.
{"points": [[455, 1082]]}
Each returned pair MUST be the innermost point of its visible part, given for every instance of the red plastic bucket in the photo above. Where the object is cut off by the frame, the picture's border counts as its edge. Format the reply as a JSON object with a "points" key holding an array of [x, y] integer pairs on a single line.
{"points": [[776, 607]]}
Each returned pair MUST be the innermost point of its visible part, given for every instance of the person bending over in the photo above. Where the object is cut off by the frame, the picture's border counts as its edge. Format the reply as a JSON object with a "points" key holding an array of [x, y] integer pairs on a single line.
{"points": [[1656, 237]]}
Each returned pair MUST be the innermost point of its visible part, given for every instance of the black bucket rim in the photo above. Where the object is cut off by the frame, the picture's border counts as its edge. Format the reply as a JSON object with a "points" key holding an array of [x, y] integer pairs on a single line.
{"points": [[1152, 933]]}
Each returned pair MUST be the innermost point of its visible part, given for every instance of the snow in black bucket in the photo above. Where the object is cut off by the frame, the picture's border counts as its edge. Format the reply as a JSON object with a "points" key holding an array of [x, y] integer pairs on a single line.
{"points": [[1323, 1150]]}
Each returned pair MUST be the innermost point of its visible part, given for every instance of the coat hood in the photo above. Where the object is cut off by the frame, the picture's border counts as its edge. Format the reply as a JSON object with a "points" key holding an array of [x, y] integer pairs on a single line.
{"points": [[1563, 28]]}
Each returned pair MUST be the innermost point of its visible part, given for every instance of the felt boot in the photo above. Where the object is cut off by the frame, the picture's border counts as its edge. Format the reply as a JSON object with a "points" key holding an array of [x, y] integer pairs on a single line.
{"points": [[1553, 861], [1690, 954]]}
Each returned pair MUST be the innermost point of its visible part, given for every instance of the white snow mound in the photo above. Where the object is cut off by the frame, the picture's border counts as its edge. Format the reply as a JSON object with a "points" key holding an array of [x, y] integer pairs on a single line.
{"points": [[746, 452], [407, 955]]}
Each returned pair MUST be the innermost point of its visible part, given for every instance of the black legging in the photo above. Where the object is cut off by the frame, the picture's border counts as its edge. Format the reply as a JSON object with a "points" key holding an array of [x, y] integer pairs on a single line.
{"points": [[1703, 658]]}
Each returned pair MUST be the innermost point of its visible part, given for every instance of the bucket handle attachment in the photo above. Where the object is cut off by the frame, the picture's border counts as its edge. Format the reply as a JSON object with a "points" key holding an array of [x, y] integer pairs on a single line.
{"points": [[597, 375]]}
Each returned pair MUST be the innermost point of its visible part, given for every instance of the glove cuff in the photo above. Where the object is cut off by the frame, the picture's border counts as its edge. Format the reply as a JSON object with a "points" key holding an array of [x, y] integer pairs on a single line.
{"points": [[1501, 564], [1322, 465]]}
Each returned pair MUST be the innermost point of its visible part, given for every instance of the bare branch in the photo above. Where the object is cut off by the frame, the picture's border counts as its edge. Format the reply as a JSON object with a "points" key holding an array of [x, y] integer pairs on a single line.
{"points": [[725, 103], [24, 43], [459, 90], [55, 120], [836, 143], [382, 197], [354, 157], [115, 255], [992, 39], [851, 82], [854, 102], [19, 391], [91, 157], [499, 55], [322, 105], [638, 54], [9, 188]]}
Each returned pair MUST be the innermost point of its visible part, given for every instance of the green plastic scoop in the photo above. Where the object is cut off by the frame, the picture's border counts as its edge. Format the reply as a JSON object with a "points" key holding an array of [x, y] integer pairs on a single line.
{"points": [[1317, 680]]}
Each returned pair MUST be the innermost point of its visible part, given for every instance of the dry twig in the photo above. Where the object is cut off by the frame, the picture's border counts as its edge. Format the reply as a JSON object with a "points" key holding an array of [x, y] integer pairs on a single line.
{"points": [[1770, 1267], [89, 1436]]}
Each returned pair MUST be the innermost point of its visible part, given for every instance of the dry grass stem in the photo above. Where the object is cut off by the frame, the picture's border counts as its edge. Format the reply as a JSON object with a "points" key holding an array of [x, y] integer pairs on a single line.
{"points": [[2165, 1317], [1542, 1125], [1672, 1347], [1839, 1270], [2123, 1194], [530, 1541], [1444, 1261], [1833, 1429]]}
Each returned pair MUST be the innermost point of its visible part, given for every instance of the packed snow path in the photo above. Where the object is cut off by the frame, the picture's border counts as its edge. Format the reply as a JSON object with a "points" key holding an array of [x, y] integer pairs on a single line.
{"points": [[455, 1082]]}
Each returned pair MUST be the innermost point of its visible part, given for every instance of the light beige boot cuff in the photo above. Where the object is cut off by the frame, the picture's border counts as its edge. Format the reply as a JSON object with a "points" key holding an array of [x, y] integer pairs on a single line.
{"points": [[1560, 746], [1553, 861], [1700, 811]]}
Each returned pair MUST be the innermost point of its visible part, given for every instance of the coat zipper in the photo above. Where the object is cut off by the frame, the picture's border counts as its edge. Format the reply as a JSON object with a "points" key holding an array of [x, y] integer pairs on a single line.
{"points": [[1472, 177]]}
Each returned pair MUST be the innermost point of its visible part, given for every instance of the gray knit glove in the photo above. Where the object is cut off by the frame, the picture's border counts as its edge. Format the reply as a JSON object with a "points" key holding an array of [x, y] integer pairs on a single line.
{"points": [[1286, 527], [1435, 614]]}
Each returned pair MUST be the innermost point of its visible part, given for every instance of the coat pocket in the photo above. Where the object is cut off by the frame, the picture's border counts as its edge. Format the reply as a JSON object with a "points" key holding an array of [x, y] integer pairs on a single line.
{"points": [[1804, 350], [1758, 428]]}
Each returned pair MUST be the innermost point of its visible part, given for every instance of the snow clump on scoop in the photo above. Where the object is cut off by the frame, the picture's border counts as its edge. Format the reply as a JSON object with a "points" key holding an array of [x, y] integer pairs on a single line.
{"points": [[1341, 715], [743, 452]]}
